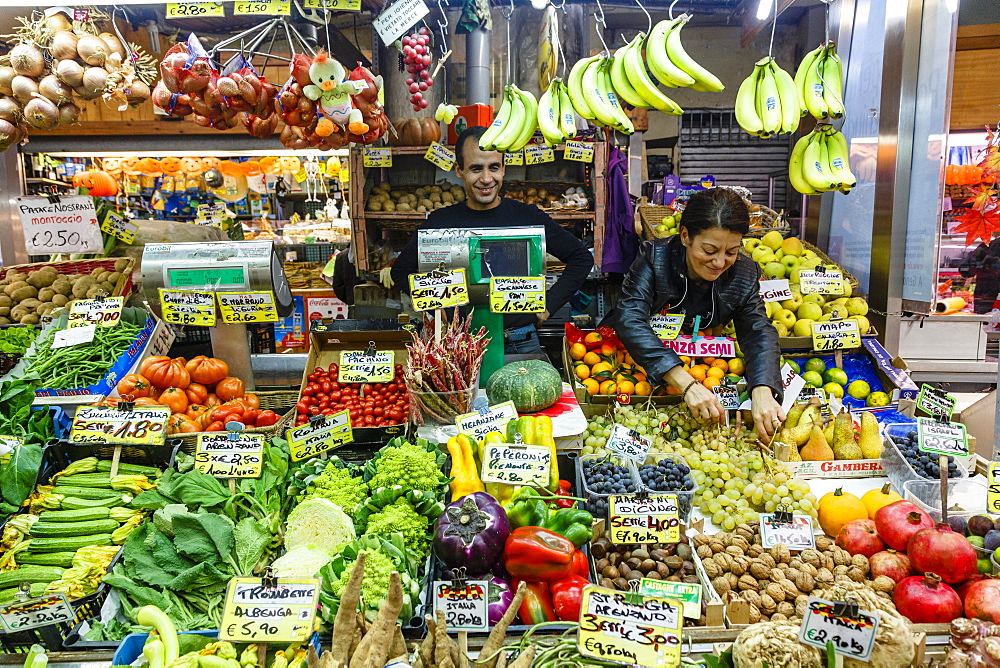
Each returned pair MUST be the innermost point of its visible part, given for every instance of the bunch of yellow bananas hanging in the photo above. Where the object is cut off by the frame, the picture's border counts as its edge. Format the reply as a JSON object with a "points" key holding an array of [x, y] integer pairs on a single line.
{"points": [[767, 102], [515, 122], [556, 119], [820, 162], [820, 83]]}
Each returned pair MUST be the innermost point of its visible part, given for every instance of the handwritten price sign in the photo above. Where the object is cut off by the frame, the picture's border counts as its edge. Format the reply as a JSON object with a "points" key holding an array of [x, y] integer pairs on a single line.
{"points": [[439, 290], [269, 8], [667, 326], [464, 608], [145, 424], [536, 154], [838, 335], [237, 307], [188, 308], [479, 424], [629, 442], [117, 225], [797, 534], [359, 367], [44, 611], [683, 591], [650, 520], [441, 156], [340, 5], [310, 440], [376, 157], [516, 465], [184, 10], [517, 295], [776, 290], [67, 225], [942, 438], [821, 282], [854, 638], [933, 401], [102, 312], [516, 158], [220, 456], [283, 613], [630, 628], [579, 151]]}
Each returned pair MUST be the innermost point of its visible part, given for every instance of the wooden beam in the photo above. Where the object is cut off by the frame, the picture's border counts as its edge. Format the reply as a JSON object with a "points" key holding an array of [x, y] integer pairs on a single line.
{"points": [[137, 127], [986, 36], [751, 26]]}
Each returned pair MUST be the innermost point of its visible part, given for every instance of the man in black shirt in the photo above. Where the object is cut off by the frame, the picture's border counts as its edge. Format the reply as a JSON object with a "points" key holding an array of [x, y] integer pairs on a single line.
{"points": [[482, 173]]}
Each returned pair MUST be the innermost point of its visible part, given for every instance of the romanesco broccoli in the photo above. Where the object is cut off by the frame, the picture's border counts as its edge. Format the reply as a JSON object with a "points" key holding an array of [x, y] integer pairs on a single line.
{"points": [[339, 486], [407, 465], [375, 585], [401, 517]]}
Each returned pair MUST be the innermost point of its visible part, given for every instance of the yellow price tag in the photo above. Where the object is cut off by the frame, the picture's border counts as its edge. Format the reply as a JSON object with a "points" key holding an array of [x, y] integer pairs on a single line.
{"points": [[993, 489], [108, 424], [224, 456], [301, 175], [284, 613], [319, 436], [345, 175], [537, 154], [340, 5], [376, 157], [667, 326], [268, 8], [188, 308], [104, 312], [119, 227], [579, 151], [828, 282], [237, 307], [650, 520], [517, 295], [630, 628], [440, 155], [439, 289], [357, 366], [186, 10], [516, 464], [835, 335], [516, 158]]}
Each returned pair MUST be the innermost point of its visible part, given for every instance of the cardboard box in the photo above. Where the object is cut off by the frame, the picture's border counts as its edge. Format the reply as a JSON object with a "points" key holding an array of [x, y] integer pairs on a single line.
{"points": [[978, 412], [920, 338], [603, 399], [325, 348]]}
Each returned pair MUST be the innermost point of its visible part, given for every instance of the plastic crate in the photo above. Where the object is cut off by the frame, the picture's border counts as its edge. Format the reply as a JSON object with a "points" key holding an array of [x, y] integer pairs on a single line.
{"points": [[52, 637], [685, 498], [594, 498], [319, 252], [967, 494], [260, 336], [895, 465]]}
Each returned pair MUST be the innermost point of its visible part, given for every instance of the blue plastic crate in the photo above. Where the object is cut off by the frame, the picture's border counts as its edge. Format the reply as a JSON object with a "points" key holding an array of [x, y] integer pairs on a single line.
{"points": [[131, 647]]}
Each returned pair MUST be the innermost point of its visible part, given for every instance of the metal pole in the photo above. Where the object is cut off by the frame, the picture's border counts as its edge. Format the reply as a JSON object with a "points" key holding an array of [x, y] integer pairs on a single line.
{"points": [[11, 237], [477, 66], [770, 192]]}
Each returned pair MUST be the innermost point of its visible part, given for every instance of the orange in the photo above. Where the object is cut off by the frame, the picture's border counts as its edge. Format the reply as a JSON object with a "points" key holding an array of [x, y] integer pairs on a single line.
{"points": [[593, 337], [736, 366], [639, 377], [711, 382], [592, 386], [609, 387], [600, 368], [582, 371], [608, 350], [620, 356], [643, 389], [685, 359], [591, 358], [716, 372], [698, 372], [673, 391], [721, 364], [626, 387], [628, 359], [577, 351], [707, 360]]}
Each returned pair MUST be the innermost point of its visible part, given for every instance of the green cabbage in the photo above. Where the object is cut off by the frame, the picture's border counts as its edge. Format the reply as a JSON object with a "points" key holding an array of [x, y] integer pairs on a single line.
{"points": [[304, 561], [318, 523]]}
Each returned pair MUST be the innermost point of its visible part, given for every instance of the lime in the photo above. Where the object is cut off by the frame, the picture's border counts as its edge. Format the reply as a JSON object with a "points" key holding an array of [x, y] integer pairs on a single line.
{"points": [[835, 375], [834, 390], [795, 366], [859, 389], [815, 364], [977, 541], [877, 399], [813, 378]]}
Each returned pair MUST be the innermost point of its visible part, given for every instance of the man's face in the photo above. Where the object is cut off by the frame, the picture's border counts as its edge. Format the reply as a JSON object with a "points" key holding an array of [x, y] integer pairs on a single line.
{"points": [[482, 176]]}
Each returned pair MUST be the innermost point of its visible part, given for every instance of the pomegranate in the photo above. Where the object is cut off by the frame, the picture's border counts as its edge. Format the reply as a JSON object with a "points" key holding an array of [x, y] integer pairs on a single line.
{"points": [[941, 551], [982, 600], [891, 564], [924, 599], [963, 589], [860, 537], [898, 521]]}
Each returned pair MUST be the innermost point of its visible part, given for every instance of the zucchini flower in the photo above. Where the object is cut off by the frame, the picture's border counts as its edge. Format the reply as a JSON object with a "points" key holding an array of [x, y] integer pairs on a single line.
{"points": [[121, 514], [119, 535], [99, 556], [135, 484], [221, 649], [88, 465], [279, 660], [248, 659], [189, 660], [45, 501], [299, 660], [16, 529], [7, 561]]}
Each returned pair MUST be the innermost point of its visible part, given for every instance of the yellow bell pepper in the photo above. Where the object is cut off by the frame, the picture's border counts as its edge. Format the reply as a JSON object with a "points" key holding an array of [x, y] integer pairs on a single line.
{"points": [[543, 434], [498, 490], [464, 476]]}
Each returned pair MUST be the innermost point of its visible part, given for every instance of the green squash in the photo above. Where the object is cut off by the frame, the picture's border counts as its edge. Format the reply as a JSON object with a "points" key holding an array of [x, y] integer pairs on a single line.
{"points": [[533, 385]]}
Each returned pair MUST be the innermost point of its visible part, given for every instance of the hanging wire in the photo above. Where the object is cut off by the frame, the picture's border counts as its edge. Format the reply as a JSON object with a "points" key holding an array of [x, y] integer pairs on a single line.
{"points": [[599, 21], [562, 56], [326, 26], [670, 11], [443, 27], [561, 6], [132, 55], [507, 15], [649, 19], [774, 24]]}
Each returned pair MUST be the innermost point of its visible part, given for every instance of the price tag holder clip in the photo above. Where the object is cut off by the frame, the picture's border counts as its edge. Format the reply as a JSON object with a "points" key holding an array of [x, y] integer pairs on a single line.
{"points": [[847, 609], [126, 406], [633, 597], [233, 430], [317, 420], [782, 515], [458, 577], [482, 406], [370, 350], [269, 580]]}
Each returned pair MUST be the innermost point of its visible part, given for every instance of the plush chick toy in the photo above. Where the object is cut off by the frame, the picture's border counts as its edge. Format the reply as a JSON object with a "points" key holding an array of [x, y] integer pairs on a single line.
{"points": [[331, 89]]}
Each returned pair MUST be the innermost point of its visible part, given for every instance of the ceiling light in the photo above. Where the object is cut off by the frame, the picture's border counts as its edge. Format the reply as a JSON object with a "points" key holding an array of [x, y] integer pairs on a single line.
{"points": [[952, 5], [764, 9]]}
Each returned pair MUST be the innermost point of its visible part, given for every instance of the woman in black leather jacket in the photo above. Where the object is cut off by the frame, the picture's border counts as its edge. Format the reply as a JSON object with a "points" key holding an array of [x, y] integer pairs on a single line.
{"points": [[702, 272]]}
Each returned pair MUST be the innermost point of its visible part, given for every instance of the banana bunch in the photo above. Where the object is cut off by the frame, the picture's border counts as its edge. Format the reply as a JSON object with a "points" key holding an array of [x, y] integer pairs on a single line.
{"points": [[593, 96], [632, 82], [445, 112], [820, 83], [767, 102], [671, 64], [556, 118], [820, 162], [514, 124]]}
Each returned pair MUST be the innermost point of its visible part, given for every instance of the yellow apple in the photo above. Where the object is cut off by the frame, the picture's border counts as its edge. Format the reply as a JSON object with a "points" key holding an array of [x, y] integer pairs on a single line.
{"points": [[772, 240], [792, 246], [774, 270], [803, 327], [809, 310], [857, 306]]}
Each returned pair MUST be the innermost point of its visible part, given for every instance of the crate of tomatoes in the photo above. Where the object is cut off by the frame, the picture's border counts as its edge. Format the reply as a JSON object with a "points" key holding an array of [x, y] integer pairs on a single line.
{"points": [[379, 410]]}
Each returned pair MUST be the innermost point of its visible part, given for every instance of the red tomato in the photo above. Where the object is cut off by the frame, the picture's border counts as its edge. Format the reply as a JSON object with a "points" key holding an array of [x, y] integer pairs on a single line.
{"points": [[267, 418], [218, 425], [302, 407]]}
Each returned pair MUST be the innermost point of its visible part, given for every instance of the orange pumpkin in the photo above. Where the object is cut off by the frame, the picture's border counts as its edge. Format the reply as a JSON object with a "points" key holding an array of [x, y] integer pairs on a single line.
{"points": [[192, 166], [290, 164], [149, 167], [230, 168], [171, 166], [415, 132], [98, 183], [112, 166], [270, 165]]}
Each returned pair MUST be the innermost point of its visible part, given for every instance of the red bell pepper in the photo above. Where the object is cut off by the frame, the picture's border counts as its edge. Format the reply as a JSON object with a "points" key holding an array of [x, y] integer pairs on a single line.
{"points": [[538, 555], [537, 605], [563, 490], [581, 565], [567, 596]]}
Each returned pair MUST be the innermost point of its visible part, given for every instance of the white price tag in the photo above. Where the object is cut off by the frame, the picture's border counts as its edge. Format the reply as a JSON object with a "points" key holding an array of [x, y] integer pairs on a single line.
{"points": [[74, 336], [829, 282], [942, 438], [628, 442], [397, 18], [797, 534], [854, 638], [65, 225], [792, 383], [728, 396], [776, 290], [37, 612], [464, 608], [479, 424]]}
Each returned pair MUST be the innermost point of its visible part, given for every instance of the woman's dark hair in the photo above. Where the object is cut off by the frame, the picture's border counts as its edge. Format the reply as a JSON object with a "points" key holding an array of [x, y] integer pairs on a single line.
{"points": [[716, 207]]}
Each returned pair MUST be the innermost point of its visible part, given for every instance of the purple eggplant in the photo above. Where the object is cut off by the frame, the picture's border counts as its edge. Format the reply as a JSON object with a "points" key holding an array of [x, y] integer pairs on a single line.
{"points": [[471, 533], [499, 596]]}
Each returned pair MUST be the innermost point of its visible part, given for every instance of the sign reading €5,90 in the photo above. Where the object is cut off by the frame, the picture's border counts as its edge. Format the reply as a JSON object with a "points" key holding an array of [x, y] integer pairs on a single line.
{"points": [[279, 611]]}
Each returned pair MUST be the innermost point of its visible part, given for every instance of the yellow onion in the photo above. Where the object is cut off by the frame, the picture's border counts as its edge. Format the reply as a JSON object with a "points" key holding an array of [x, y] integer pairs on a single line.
{"points": [[93, 50], [24, 88], [114, 44], [55, 90], [27, 59], [69, 72], [63, 45], [69, 114], [10, 109], [40, 113]]}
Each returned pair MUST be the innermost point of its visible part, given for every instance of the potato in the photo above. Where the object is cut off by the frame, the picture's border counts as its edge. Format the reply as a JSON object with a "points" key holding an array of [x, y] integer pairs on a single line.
{"points": [[374, 205], [46, 308], [4, 310], [403, 207], [97, 272], [388, 206], [63, 286], [435, 197], [13, 276], [46, 294], [30, 319], [435, 189], [121, 265], [41, 278], [59, 300], [82, 286], [5, 300], [5, 321], [447, 198], [103, 276], [9, 290], [95, 290], [107, 287], [17, 313], [114, 277], [27, 292], [30, 304], [426, 203]]}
